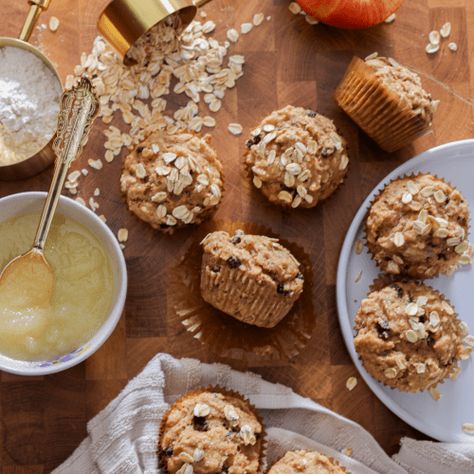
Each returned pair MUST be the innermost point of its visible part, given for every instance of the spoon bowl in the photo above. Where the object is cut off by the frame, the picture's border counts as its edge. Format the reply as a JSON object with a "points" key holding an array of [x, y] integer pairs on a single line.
{"points": [[27, 282]]}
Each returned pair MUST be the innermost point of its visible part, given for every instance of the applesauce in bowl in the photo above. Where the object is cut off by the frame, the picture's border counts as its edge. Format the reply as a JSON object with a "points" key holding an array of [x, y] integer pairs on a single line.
{"points": [[89, 289]]}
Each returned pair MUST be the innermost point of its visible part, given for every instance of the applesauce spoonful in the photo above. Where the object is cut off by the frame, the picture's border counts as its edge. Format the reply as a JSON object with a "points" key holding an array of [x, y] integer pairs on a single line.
{"points": [[28, 280]]}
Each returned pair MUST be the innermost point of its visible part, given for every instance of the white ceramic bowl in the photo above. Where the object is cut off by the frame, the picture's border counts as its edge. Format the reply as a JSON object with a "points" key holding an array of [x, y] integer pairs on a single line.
{"points": [[25, 203]]}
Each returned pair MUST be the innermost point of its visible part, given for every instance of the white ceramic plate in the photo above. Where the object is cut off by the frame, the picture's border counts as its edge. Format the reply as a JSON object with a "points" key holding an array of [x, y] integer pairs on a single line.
{"points": [[441, 419]]}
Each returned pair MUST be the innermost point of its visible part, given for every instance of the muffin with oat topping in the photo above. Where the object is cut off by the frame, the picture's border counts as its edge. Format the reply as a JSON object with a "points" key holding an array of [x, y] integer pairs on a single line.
{"points": [[250, 277], [173, 180], [386, 100], [417, 226], [210, 431], [306, 462], [296, 157], [409, 338]]}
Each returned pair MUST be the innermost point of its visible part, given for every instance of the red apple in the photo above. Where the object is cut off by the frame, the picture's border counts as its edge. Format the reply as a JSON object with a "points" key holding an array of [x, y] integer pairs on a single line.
{"points": [[350, 13]]}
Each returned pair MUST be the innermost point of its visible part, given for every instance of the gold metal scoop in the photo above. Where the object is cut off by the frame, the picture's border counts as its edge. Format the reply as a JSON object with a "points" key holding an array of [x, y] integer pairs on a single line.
{"points": [[29, 276], [45, 157], [123, 22]]}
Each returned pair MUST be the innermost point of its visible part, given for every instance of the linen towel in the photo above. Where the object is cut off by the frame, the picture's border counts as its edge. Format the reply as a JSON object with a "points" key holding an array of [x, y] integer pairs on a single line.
{"points": [[122, 439]]}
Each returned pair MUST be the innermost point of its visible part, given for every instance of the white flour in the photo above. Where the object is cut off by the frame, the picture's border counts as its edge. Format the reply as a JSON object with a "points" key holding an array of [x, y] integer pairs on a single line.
{"points": [[29, 104]]}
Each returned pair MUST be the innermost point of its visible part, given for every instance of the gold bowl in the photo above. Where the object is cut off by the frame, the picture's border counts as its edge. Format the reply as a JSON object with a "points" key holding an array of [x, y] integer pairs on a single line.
{"points": [[42, 158]]}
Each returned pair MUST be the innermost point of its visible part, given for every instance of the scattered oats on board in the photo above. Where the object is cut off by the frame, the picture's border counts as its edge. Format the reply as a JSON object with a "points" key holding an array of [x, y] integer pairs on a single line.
{"points": [[347, 451], [233, 35], [258, 19], [294, 8], [453, 46], [53, 24], [359, 246], [122, 235], [391, 18], [468, 428], [432, 48], [351, 383], [245, 28], [235, 128], [445, 30], [434, 37]]}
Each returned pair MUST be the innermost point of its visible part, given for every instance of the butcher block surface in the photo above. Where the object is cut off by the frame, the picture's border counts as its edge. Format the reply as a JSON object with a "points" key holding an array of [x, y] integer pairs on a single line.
{"points": [[43, 419]]}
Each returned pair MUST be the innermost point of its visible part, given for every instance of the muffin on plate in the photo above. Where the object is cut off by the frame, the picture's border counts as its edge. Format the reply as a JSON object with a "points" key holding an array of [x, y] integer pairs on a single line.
{"points": [[408, 337], [386, 100], [211, 430], [296, 158], [250, 277], [418, 226], [306, 462], [173, 180]]}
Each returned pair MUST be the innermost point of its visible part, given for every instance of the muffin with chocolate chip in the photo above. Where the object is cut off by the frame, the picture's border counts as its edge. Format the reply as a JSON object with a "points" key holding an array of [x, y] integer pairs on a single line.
{"points": [[209, 431], [306, 462], [417, 226], [173, 180], [387, 100], [250, 277], [409, 338], [296, 157]]}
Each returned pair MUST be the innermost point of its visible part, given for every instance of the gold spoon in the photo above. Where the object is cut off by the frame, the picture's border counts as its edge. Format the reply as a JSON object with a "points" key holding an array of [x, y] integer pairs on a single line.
{"points": [[28, 280]]}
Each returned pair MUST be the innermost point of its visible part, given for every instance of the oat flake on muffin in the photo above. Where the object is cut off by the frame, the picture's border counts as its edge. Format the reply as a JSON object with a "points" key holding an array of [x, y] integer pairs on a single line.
{"points": [[252, 278], [173, 180], [418, 226], [409, 338], [207, 432], [296, 157], [306, 462]]}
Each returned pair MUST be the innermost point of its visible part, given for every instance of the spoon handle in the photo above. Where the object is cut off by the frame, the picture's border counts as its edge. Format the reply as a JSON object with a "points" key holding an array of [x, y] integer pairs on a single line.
{"points": [[78, 110]]}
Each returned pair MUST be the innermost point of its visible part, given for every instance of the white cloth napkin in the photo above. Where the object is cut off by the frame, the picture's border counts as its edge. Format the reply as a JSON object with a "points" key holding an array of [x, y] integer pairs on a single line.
{"points": [[124, 436]]}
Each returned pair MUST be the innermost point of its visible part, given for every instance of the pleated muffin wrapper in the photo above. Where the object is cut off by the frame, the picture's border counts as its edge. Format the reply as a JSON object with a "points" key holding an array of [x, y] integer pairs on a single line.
{"points": [[262, 440], [383, 280], [224, 335], [405, 276], [377, 109], [336, 462]]}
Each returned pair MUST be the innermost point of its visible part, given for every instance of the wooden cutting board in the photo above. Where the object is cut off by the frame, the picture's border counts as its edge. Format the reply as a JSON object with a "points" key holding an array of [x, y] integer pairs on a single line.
{"points": [[42, 420]]}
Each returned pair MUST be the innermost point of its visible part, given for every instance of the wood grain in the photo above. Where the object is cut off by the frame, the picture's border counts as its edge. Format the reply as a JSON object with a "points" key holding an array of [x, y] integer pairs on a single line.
{"points": [[288, 61]]}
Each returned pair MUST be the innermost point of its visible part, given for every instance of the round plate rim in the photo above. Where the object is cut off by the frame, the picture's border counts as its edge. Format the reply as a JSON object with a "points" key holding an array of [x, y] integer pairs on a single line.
{"points": [[343, 313]]}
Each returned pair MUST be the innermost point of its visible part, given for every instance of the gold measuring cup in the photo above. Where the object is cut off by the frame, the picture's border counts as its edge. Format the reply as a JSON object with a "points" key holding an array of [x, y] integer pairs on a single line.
{"points": [[123, 22], [44, 157]]}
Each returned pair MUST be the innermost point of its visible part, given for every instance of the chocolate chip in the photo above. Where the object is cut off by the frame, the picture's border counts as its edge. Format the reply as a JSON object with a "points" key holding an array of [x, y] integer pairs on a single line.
{"points": [[236, 240], [253, 141], [398, 289], [430, 340], [168, 451], [140, 149], [200, 423], [215, 268], [233, 262], [383, 328], [300, 276], [327, 151], [311, 113], [164, 226], [281, 289]]}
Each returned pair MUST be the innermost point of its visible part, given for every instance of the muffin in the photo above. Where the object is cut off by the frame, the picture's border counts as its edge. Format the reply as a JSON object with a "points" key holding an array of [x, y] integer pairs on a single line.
{"points": [[408, 337], [250, 277], [417, 226], [173, 180], [209, 431], [386, 100], [306, 462], [296, 157]]}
